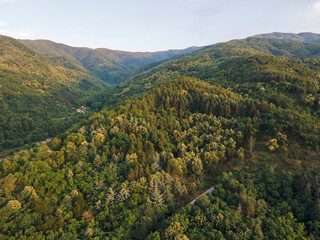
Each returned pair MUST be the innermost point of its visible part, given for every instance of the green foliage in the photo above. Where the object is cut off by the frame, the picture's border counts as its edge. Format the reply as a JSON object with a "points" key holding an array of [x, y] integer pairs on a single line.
{"points": [[300, 37], [125, 167], [123, 173], [284, 74], [111, 66], [247, 206], [126, 171], [37, 96]]}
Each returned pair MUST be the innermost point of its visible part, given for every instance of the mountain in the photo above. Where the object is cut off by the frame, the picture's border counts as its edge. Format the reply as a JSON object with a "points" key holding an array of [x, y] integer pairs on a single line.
{"points": [[246, 61], [111, 66], [283, 73], [42, 83], [307, 37], [35, 93], [240, 119]]}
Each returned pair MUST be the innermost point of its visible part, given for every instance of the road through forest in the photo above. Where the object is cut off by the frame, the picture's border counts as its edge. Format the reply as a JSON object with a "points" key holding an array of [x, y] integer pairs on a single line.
{"points": [[208, 191]]}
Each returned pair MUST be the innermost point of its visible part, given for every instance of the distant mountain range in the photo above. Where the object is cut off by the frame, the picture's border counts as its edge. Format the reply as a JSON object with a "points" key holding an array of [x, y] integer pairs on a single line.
{"points": [[111, 66], [307, 37]]}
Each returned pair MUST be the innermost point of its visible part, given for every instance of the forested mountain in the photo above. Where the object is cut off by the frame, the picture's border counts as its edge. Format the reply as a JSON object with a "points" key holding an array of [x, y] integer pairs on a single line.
{"points": [[238, 55], [41, 89], [111, 66], [283, 73], [35, 93], [242, 117], [253, 62], [307, 37]]}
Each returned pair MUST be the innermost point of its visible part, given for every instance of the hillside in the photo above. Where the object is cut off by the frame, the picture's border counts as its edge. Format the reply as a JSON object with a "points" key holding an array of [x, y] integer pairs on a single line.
{"points": [[208, 62], [307, 37], [42, 88], [111, 66], [242, 117], [127, 172], [241, 61], [34, 91], [268, 70]]}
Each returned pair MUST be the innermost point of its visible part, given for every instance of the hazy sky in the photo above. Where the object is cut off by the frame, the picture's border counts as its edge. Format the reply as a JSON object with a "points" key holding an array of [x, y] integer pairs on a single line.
{"points": [[150, 25]]}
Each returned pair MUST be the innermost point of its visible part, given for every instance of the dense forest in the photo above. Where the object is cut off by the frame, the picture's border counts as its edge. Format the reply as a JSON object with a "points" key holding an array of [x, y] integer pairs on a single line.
{"points": [[126, 172], [38, 97], [241, 118], [42, 83], [284, 73]]}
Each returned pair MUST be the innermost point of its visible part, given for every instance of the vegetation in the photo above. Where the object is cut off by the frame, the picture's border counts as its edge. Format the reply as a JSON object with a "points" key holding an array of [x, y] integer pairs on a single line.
{"points": [[36, 94], [124, 174], [249, 68], [300, 37], [242, 117], [251, 206], [111, 66], [41, 89]]}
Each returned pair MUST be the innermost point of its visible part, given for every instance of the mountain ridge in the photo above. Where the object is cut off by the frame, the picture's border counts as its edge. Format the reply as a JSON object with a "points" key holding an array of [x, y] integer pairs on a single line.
{"points": [[218, 53], [112, 66], [308, 37]]}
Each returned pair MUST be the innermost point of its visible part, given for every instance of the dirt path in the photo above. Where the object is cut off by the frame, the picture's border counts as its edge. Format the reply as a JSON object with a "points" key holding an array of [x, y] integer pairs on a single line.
{"points": [[208, 191]]}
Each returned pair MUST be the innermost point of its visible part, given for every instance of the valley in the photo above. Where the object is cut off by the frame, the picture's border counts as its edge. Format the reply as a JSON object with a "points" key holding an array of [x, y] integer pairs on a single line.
{"points": [[41, 87], [136, 137]]}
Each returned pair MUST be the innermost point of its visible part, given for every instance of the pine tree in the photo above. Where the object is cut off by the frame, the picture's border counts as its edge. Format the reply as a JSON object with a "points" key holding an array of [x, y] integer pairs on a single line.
{"points": [[111, 195], [247, 132], [167, 193], [124, 194], [251, 144], [156, 196]]}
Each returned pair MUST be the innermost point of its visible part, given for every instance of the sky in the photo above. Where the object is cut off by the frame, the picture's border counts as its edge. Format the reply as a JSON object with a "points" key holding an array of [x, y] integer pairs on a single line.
{"points": [[154, 25]]}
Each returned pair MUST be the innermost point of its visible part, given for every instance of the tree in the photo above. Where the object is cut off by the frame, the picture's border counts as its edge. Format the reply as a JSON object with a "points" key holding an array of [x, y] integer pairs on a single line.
{"points": [[174, 230], [78, 206], [156, 196], [14, 205], [111, 195], [99, 160], [140, 230], [8, 184], [89, 232], [173, 167], [87, 216], [285, 227], [247, 133], [197, 166], [167, 194], [123, 195], [316, 210], [251, 144], [154, 236]]}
